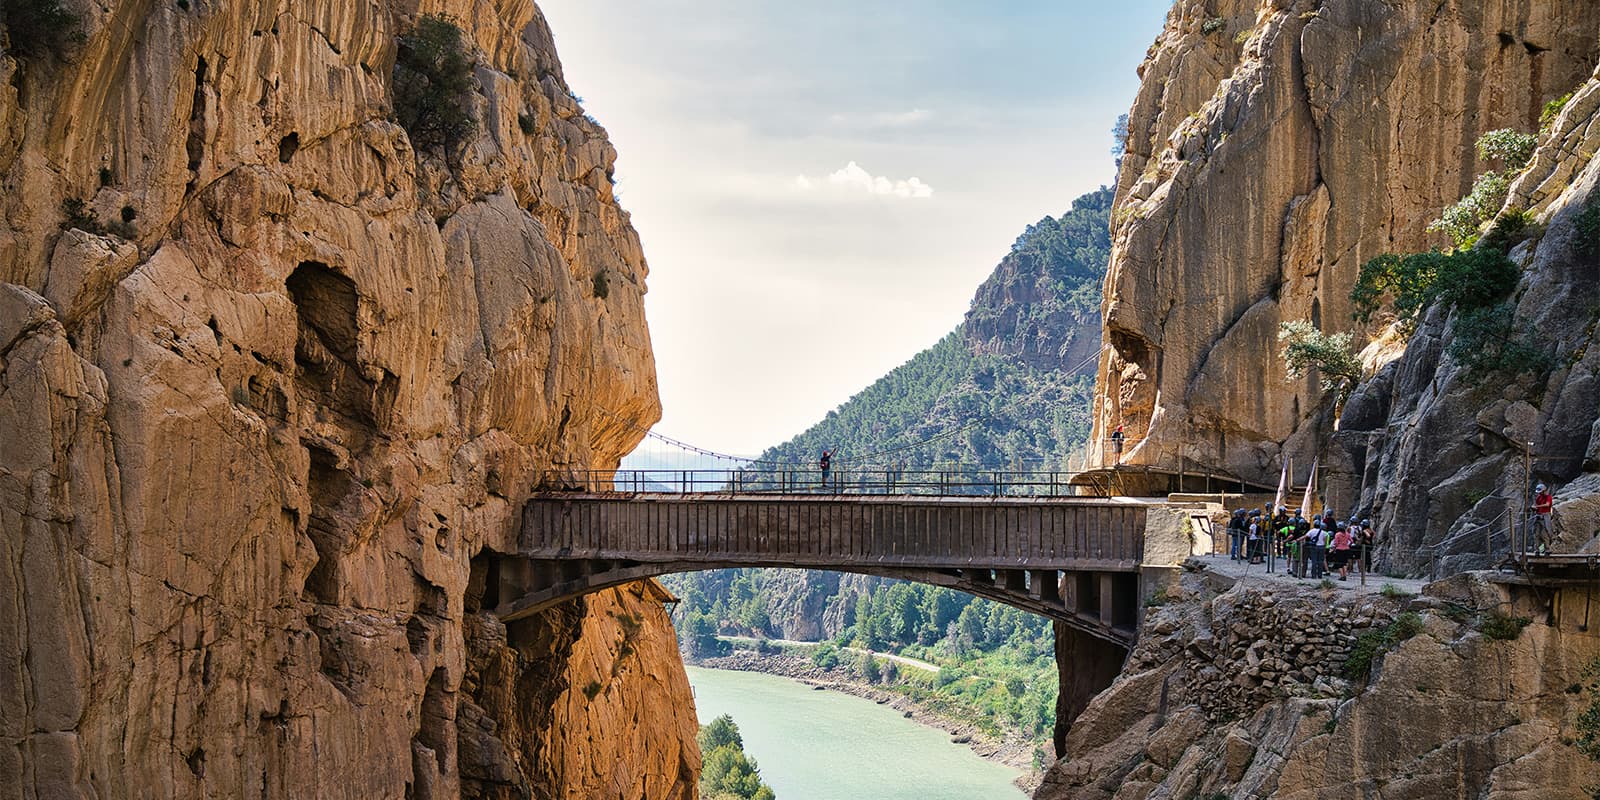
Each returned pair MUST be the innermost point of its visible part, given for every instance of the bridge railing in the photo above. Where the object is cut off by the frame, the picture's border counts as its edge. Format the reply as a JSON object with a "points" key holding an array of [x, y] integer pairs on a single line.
{"points": [[959, 481]]}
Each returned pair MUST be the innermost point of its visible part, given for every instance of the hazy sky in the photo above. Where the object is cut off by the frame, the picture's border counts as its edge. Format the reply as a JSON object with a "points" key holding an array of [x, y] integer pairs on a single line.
{"points": [[821, 186]]}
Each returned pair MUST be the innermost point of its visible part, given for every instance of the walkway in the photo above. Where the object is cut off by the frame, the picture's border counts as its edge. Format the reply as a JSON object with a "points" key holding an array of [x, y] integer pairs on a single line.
{"points": [[1077, 560]]}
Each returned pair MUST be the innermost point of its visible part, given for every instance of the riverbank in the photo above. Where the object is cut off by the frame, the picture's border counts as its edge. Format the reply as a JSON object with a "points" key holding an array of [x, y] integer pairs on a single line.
{"points": [[1015, 751]]}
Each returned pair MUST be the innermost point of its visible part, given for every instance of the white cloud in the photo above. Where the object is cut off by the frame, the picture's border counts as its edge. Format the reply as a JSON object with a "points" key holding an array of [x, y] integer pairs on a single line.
{"points": [[882, 119], [853, 178]]}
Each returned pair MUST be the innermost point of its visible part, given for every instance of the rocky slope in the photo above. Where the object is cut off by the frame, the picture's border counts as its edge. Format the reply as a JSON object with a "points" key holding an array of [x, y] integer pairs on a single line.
{"points": [[1438, 452], [1242, 691], [254, 445], [1274, 147]]}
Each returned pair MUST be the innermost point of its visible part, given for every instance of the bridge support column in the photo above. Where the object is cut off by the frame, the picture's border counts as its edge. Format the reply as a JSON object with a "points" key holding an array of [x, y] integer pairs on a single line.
{"points": [[1047, 584], [1086, 665], [1017, 581], [1108, 598]]}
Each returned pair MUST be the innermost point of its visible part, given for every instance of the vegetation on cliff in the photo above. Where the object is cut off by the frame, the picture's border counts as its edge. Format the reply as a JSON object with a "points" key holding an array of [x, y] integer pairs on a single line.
{"points": [[727, 773], [1473, 279], [36, 28], [433, 84]]}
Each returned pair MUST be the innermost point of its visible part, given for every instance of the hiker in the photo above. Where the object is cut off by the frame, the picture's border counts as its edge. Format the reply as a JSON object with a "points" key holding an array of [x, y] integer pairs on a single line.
{"points": [[1254, 538], [1294, 547], [1317, 548], [1236, 535], [1116, 445], [1342, 542], [1543, 504], [1282, 537], [1369, 541], [823, 464]]}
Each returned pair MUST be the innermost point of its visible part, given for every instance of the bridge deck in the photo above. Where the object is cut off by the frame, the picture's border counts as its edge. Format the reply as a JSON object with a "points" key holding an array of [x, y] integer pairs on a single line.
{"points": [[836, 531]]}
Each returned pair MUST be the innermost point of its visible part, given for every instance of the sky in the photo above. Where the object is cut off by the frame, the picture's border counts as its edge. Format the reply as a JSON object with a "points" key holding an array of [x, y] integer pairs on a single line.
{"points": [[820, 187]]}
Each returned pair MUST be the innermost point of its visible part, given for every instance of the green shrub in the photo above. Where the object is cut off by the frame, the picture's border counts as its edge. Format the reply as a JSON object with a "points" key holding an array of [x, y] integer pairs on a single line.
{"points": [[1485, 341], [1393, 592], [1372, 644], [728, 772], [79, 215], [602, 286], [1513, 149], [826, 656], [1213, 25], [525, 122], [593, 689], [1553, 109], [1511, 227], [1498, 625], [36, 28], [1588, 722], [868, 668], [1463, 279], [433, 84], [1333, 357], [1463, 221]]}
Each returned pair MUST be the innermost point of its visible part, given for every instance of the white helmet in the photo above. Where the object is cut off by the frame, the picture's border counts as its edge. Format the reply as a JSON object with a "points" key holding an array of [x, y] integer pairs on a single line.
{"points": [[1539, 488]]}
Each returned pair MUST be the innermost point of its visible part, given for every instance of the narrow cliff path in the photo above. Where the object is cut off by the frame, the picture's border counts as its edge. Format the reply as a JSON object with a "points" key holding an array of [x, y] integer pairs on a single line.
{"points": [[1243, 570]]}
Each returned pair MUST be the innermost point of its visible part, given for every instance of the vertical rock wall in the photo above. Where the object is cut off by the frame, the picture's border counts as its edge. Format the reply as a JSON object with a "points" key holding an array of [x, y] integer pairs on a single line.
{"points": [[1275, 146], [251, 445]]}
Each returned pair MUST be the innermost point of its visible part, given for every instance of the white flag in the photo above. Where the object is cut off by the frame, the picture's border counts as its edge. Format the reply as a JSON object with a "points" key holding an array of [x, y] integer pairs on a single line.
{"points": [[1283, 487], [1311, 489]]}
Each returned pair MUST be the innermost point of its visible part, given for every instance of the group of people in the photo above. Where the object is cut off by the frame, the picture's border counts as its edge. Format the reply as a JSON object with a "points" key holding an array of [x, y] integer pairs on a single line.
{"points": [[1312, 548]]}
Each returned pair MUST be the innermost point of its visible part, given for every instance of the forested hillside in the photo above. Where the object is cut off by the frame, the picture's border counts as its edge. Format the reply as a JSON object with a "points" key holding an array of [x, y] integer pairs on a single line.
{"points": [[1010, 386]]}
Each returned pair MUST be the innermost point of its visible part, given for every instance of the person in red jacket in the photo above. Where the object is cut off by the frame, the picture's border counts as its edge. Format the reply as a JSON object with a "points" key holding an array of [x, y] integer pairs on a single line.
{"points": [[1543, 505]]}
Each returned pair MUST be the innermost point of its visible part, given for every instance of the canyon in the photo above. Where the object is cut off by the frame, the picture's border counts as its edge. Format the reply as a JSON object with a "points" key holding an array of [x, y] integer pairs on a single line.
{"points": [[274, 382], [276, 377]]}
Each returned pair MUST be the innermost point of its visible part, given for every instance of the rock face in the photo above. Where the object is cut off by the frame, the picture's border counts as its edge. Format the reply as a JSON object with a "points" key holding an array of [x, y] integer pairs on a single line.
{"points": [[253, 446], [1275, 146], [1436, 452], [1040, 306], [1240, 693]]}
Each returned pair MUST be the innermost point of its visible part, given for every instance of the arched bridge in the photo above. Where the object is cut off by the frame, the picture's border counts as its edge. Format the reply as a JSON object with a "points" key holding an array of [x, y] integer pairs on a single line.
{"points": [[1082, 561]]}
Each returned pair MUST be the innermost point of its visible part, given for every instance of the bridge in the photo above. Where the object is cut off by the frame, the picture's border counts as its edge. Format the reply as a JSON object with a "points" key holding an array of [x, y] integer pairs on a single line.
{"points": [[1017, 538]]}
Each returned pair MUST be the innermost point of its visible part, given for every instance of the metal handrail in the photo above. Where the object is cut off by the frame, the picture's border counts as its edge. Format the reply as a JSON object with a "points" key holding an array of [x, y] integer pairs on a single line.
{"points": [[959, 481]]}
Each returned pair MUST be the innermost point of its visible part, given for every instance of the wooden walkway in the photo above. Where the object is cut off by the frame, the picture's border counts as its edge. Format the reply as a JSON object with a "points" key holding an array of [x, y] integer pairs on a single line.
{"points": [[1077, 560]]}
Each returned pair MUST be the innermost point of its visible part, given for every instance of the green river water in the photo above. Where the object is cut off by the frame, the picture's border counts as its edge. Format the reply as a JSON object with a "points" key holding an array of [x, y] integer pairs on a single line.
{"points": [[828, 745]]}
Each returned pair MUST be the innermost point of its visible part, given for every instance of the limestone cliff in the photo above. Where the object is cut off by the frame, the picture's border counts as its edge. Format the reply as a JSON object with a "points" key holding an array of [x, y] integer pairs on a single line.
{"points": [[254, 442], [1275, 146], [1241, 692]]}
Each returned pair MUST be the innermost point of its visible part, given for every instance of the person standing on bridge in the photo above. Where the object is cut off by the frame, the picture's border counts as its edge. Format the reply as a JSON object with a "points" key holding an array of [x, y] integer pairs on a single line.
{"points": [[823, 464], [1544, 504], [1116, 445]]}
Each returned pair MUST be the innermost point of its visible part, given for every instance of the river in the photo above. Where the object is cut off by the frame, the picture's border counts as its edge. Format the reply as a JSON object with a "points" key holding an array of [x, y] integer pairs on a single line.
{"points": [[825, 745]]}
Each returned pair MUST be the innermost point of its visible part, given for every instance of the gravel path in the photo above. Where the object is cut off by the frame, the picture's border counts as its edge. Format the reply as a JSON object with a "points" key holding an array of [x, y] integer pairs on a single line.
{"points": [[1258, 572]]}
